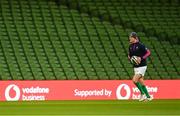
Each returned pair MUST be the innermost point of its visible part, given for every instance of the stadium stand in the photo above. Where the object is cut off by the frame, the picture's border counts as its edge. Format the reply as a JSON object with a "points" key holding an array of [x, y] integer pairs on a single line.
{"points": [[158, 18], [40, 40]]}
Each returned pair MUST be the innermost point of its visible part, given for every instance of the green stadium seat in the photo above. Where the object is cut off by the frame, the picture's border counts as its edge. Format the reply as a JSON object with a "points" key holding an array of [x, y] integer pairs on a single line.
{"points": [[42, 41]]}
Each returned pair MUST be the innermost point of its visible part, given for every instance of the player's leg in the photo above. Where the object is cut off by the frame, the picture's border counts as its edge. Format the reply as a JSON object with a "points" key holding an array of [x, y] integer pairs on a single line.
{"points": [[142, 71], [135, 80], [138, 85], [141, 80]]}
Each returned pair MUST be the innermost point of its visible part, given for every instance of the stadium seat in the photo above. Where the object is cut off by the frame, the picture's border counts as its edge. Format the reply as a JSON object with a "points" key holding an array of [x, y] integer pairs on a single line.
{"points": [[43, 41], [152, 14]]}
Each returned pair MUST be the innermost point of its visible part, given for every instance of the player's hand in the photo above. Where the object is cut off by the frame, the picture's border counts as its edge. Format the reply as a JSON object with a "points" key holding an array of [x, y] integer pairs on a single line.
{"points": [[129, 57], [138, 60]]}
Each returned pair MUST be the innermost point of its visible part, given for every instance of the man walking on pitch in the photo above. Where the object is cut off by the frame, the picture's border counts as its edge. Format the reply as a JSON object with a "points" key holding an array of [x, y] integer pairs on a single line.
{"points": [[137, 55]]}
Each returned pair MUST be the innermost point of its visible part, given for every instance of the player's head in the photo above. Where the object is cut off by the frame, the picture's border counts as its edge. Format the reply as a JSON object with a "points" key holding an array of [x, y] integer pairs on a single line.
{"points": [[133, 38]]}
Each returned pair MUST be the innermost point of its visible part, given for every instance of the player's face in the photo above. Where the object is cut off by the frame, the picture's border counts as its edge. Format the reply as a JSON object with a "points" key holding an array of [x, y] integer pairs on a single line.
{"points": [[132, 40]]}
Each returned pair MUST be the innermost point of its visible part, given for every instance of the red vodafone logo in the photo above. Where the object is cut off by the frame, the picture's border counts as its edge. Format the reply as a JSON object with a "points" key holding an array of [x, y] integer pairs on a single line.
{"points": [[123, 92], [12, 93]]}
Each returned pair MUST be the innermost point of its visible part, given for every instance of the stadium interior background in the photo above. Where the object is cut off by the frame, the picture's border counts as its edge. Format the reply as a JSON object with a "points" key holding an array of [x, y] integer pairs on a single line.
{"points": [[86, 39]]}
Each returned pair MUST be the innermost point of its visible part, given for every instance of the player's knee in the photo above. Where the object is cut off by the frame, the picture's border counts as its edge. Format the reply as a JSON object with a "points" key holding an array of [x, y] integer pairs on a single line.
{"points": [[134, 81], [141, 80], [136, 78]]}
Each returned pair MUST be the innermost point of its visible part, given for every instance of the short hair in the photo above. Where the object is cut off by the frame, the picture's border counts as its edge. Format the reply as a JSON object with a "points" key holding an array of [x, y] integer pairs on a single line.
{"points": [[133, 34]]}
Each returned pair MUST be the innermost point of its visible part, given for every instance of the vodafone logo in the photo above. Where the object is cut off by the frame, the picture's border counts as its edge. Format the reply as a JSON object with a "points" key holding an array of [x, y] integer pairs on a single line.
{"points": [[9, 90], [126, 89]]}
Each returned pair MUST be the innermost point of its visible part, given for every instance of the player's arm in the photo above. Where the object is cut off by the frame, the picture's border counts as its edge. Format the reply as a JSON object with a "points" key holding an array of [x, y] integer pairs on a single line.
{"points": [[147, 53], [129, 57], [129, 54]]}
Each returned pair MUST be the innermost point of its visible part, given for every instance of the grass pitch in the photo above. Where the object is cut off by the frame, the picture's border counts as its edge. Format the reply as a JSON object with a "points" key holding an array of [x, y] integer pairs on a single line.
{"points": [[87, 108]]}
